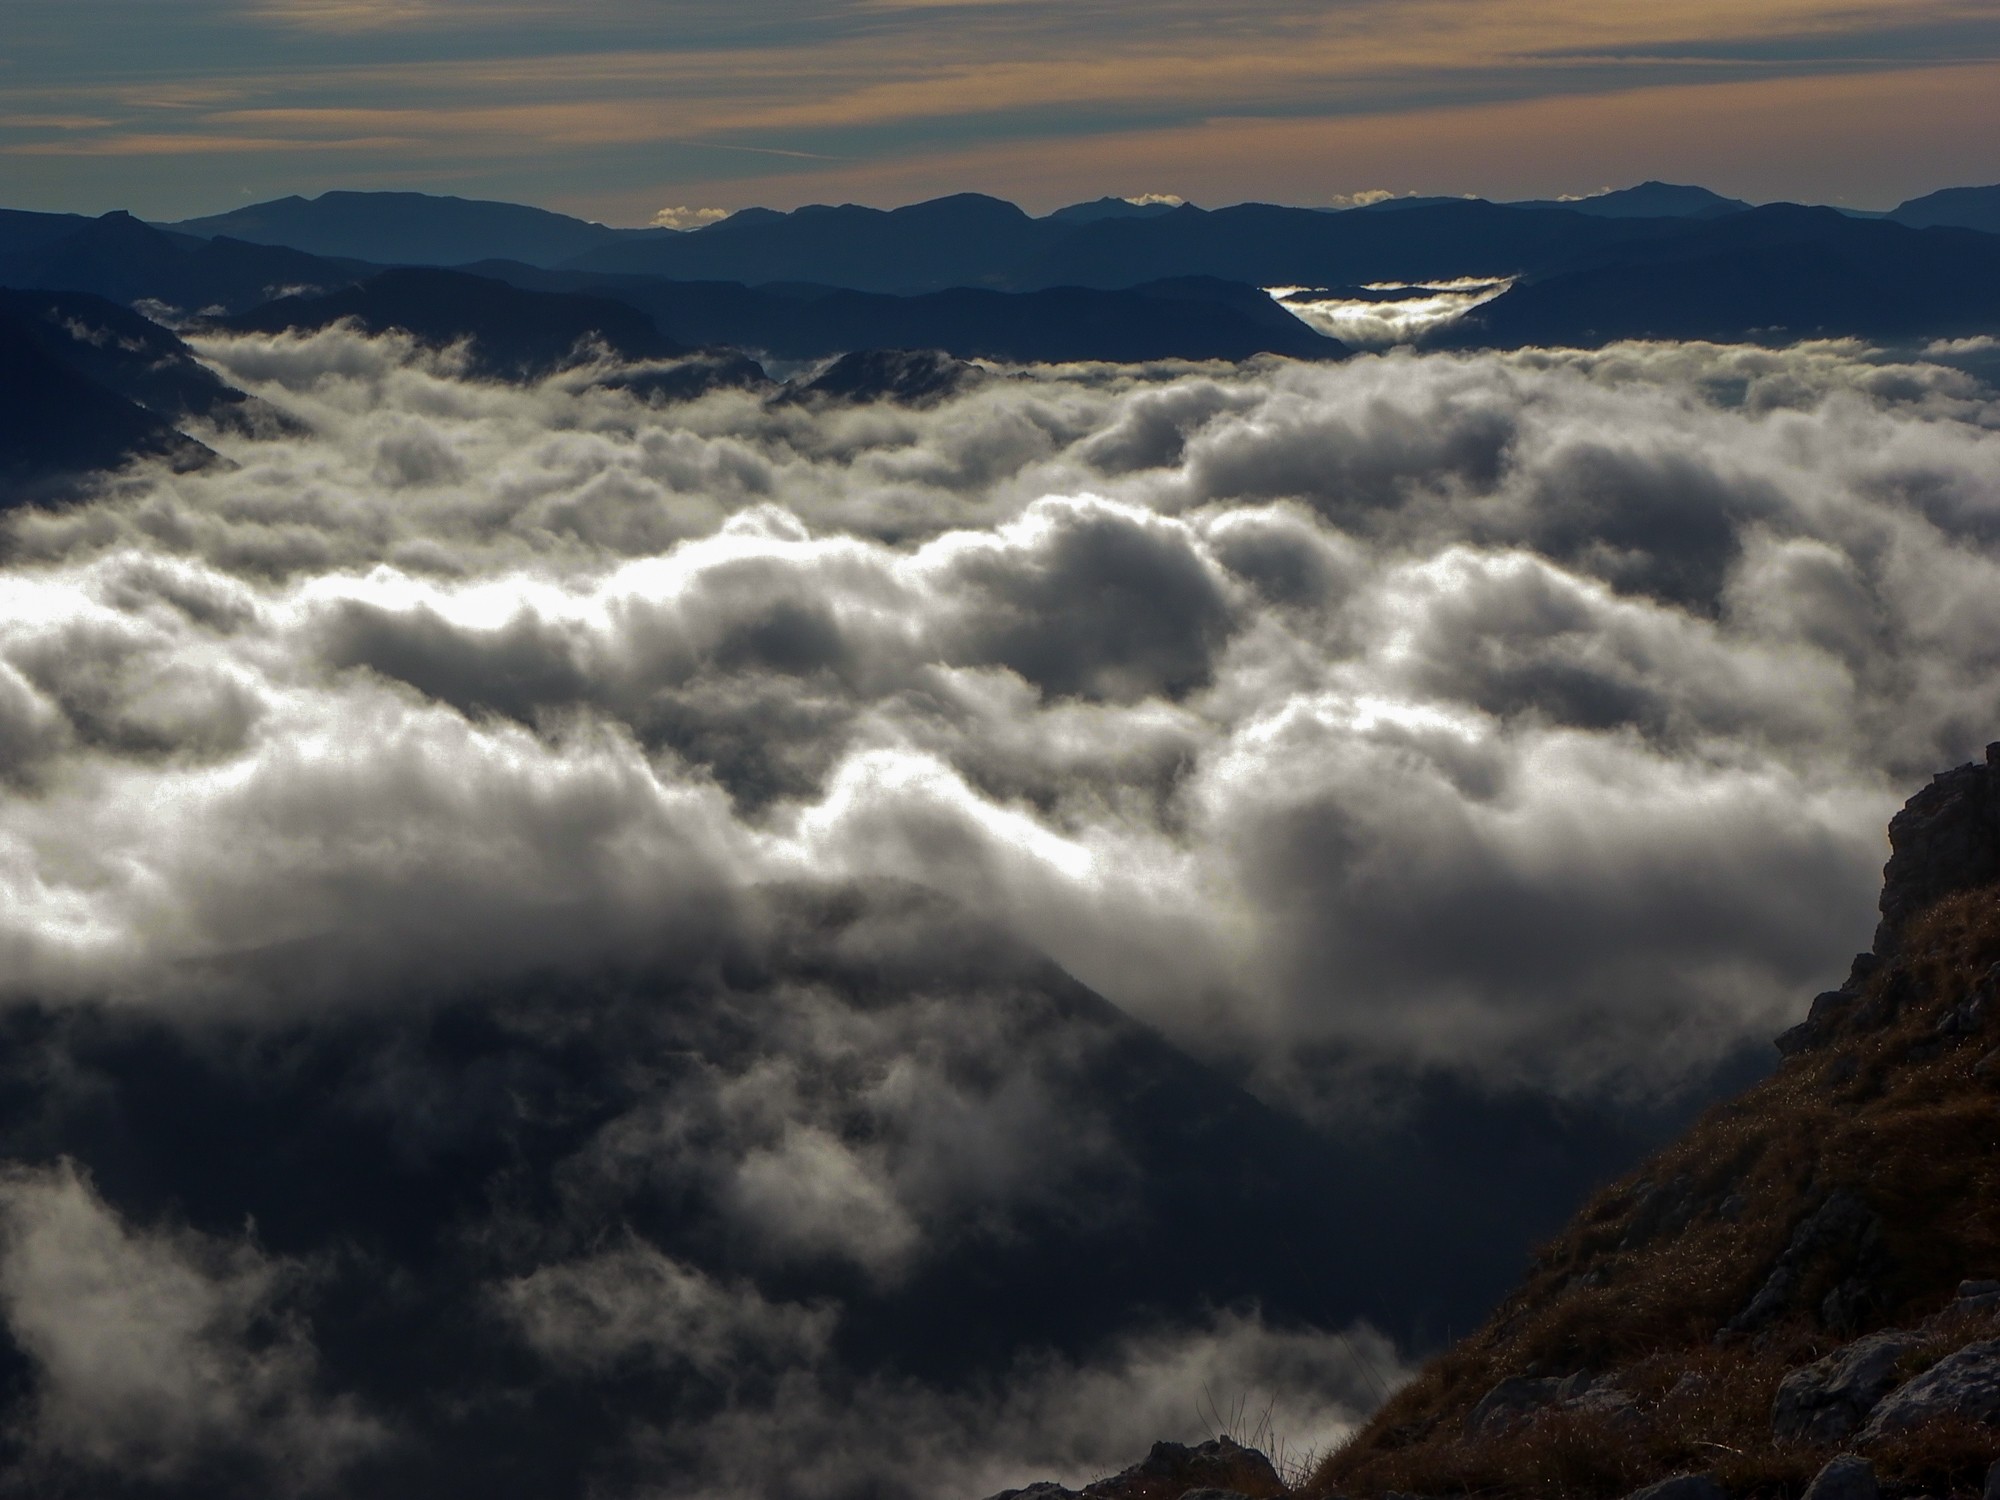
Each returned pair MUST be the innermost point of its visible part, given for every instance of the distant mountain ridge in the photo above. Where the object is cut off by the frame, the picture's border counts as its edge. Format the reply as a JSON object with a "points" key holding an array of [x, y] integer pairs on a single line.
{"points": [[409, 229], [128, 261], [972, 239], [87, 386], [1774, 274], [1964, 207], [1649, 200]]}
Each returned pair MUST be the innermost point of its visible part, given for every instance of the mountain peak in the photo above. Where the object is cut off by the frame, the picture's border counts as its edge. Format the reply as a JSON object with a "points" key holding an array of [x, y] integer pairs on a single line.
{"points": [[1945, 840]]}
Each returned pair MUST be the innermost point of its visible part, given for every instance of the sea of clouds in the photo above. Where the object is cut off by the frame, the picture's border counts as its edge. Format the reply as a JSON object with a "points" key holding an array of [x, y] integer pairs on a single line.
{"points": [[1528, 718]]}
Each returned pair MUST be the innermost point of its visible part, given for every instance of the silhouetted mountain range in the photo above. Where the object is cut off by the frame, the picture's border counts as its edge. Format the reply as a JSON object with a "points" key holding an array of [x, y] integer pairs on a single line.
{"points": [[973, 277], [138, 359], [119, 257], [409, 229], [509, 332], [57, 424], [87, 386], [1771, 275], [1186, 318], [1649, 200], [1965, 207]]}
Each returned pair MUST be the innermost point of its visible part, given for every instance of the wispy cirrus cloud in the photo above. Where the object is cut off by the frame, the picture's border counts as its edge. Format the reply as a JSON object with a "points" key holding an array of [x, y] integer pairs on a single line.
{"points": [[889, 84]]}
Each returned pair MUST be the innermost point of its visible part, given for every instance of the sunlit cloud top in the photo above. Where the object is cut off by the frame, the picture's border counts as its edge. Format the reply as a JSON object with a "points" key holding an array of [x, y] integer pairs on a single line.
{"points": [[613, 107]]}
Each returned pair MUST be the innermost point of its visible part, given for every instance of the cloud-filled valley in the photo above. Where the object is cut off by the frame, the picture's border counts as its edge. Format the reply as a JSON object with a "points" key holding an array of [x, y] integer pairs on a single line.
{"points": [[623, 898]]}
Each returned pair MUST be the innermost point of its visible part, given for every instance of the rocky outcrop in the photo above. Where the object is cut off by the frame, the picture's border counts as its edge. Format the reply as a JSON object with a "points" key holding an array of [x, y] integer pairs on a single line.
{"points": [[1946, 839], [1510, 1401], [1844, 1231], [1965, 1385], [1828, 1399], [1173, 1471]]}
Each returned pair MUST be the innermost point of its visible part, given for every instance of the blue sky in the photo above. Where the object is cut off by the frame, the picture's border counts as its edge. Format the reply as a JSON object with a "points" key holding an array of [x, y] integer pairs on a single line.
{"points": [[618, 109]]}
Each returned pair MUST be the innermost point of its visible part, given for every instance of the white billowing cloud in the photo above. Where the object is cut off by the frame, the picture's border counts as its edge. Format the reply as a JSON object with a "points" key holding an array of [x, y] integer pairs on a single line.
{"points": [[1381, 321], [155, 1349], [1531, 717], [1536, 714], [682, 217]]}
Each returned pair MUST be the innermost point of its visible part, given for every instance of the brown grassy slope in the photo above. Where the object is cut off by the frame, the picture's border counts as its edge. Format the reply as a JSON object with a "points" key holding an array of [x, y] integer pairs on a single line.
{"points": [[1639, 1285]]}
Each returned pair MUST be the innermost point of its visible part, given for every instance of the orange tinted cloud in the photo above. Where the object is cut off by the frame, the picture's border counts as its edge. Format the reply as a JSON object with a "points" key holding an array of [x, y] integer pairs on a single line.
{"points": [[1848, 138], [895, 99]]}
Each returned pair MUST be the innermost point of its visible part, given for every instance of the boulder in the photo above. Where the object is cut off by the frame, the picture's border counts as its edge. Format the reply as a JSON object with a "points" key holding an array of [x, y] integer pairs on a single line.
{"points": [[1828, 1399], [1682, 1487], [1965, 1384], [1614, 1408], [1845, 1478], [1511, 1401]]}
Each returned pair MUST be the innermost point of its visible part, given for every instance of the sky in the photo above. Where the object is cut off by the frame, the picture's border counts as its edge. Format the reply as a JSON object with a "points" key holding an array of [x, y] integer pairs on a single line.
{"points": [[619, 109]]}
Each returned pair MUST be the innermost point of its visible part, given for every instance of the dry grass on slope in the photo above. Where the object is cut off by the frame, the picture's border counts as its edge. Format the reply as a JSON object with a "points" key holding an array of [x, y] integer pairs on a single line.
{"points": [[1901, 1117]]}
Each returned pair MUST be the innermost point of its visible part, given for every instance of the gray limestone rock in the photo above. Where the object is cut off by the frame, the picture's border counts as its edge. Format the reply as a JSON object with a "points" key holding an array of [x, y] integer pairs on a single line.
{"points": [[1965, 1384], [1845, 1478], [1828, 1399], [1976, 1297], [1682, 1487], [1510, 1401], [1842, 1227]]}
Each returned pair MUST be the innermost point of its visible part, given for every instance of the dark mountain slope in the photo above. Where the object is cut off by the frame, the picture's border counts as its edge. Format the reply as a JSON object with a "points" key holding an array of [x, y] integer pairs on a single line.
{"points": [[1774, 274], [965, 240], [1801, 1274], [417, 229], [58, 427], [1649, 200], [975, 241], [1966, 207], [21, 231], [1193, 318], [1109, 208], [1269, 245], [137, 359], [512, 333], [127, 261]]}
